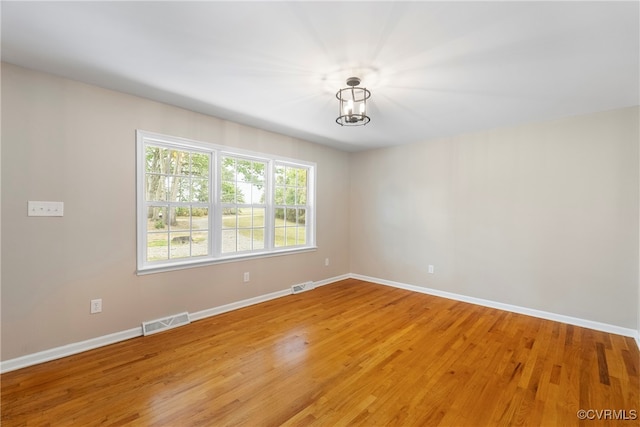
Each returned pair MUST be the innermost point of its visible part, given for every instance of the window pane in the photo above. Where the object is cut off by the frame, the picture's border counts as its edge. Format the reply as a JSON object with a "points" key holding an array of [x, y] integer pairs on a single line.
{"points": [[178, 162], [180, 245], [244, 239], [157, 246], [302, 236], [290, 196], [199, 190], [178, 189], [259, 170], [156, 159], [228, 193], [290, 237], [279, 173], [179, 218], [258, 238], [157, 234], [301, 177], [156, 188], [301, 196], [156, 218], [290, 176], [291, 216], [242, 218], [200, 243], [200, 165], [228, 241], [279, 236], [258, 217], [279, 196], [279, 214], [180, 239], [243, 193], [199, 218], [228, 169], [301, 218], [244, 170], [229, 219], [257, 193]]}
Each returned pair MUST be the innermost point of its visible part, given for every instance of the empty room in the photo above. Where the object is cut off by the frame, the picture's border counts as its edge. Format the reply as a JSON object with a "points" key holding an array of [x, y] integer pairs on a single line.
{"points": [[292, 213]]}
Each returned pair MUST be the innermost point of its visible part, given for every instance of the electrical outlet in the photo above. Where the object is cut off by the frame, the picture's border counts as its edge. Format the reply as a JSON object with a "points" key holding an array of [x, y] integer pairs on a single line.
{"points": [[326, 262], [246, 277], [96, 306]]}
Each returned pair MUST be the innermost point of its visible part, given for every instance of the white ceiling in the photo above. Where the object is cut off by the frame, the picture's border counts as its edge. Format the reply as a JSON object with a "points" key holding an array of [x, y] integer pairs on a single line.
{"points": [[434, 68]]}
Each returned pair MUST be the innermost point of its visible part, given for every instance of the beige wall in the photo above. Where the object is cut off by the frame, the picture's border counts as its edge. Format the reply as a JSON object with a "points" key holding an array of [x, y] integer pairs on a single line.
{"points": [[71, 142], [542, 216]]}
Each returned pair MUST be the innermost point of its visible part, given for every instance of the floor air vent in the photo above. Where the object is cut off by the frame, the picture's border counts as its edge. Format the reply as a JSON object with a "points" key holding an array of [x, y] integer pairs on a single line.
{"points": [[306, 286], [159, 325]]}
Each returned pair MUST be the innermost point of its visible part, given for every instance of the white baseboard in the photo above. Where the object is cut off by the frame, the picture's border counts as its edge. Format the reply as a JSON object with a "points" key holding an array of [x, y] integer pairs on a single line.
{"points": [[90, 344], [68, 350], [590, 324], [203, 314], [332, 280]]}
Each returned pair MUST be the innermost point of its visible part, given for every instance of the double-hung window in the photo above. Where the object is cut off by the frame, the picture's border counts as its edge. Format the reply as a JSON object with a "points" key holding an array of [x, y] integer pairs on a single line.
{"points": [[290, 204], [243, 201], [200, 203]]}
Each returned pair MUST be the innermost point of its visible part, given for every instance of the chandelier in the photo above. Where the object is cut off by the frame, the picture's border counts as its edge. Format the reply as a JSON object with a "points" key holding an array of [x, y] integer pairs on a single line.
{"points": [[353, 104]]}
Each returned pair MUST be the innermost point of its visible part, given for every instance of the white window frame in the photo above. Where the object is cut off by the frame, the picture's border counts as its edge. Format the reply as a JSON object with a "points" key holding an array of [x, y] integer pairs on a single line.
{"points": [[215, 209]]}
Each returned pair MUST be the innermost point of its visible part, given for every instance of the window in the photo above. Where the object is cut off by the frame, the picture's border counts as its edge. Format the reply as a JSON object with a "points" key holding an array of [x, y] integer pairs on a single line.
{"points": [[176, 203], [290, 205], [200, 203], [243, 202]]}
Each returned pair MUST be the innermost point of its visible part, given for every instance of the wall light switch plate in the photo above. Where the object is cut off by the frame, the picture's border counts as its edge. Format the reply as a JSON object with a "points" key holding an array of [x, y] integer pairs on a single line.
{"points": [[45, 208]]}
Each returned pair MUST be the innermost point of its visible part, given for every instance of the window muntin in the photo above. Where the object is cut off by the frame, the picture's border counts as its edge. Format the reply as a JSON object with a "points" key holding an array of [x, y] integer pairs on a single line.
{"points": [[200, 203]]}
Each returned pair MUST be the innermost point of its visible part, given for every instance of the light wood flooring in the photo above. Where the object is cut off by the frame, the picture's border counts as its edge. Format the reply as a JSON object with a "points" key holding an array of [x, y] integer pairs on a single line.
{"points": [[349, 353]]}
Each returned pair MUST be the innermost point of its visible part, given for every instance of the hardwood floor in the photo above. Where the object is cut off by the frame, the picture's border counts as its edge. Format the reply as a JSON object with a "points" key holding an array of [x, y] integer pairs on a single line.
{"points": [[350, 353]]}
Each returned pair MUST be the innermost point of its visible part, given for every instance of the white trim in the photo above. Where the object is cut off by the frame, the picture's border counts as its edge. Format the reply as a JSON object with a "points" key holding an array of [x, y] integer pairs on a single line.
{"points": [[68, 350], [590, 324], [203, 314], [90, 344], [331, 280]]}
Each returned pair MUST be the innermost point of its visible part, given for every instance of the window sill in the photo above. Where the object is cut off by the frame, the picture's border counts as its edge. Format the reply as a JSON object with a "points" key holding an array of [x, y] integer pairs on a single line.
{"points": [[235, 258]]}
